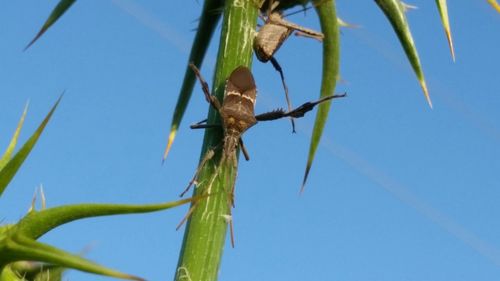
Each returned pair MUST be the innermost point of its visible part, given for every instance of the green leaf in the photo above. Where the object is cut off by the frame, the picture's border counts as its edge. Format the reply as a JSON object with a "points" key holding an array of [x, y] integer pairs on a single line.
{"points": [[210, 16], [331, 49], [10, 169], [27, 249], [495, 5], [395, 12], [37, 223], [443, 13], [17, 242], [58, 11], [12, 145]]}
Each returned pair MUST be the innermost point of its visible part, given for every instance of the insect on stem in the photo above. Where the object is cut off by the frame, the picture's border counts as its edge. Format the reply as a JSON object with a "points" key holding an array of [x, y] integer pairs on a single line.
{"points": [[272, 35], [237, 116]]}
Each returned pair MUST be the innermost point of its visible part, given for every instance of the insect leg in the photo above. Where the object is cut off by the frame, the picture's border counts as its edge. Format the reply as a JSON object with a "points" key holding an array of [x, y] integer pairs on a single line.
{"points": [[210, 153], [235, 168], [201, 122], [188, 214], [278, 19], [308, 35], [229, 220], [201, 125], [244, 150], [204, 126], [308, 106], [230, 198], [191, 210], [297, 112], [278, 68], [206, 90]]}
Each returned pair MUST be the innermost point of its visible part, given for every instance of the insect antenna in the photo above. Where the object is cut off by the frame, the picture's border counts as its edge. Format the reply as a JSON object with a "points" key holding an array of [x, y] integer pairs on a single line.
{"points": [[298, 11], [304, 9]]}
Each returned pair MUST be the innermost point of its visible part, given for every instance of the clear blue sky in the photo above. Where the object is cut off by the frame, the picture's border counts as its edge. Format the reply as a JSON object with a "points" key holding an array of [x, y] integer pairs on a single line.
{"points": [[397, 191]]}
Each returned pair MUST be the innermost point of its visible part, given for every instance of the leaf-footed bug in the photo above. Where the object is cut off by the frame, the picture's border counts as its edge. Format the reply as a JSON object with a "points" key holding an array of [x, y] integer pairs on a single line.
{"points": [[237, 116], [272, 35]]}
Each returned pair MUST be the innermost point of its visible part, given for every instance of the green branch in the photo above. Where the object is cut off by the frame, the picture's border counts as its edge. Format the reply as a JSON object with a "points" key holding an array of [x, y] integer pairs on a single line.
{"points": [[205, 234]]}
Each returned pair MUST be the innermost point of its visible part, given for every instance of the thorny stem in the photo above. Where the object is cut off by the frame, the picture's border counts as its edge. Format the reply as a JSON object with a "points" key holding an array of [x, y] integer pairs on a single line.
{"points": [[206, 229]]}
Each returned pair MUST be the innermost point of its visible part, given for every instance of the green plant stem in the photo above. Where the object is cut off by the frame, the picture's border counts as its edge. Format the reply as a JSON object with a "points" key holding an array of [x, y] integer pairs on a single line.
{"points": [[206, 229]]}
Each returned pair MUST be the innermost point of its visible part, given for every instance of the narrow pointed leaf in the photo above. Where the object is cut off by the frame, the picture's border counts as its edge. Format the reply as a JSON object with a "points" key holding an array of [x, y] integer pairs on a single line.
{"points": [[12, 145], [394, 11], [11, 168], [443, 13], [58, 11], [494, 4], [210, 16], [17, 242], [23, 248], [331, 49], [37, 223]]}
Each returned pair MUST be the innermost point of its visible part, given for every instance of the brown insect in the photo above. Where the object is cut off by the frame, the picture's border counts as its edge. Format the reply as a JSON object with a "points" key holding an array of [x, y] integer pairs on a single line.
{"points": [[272, 35], [237, 116]]}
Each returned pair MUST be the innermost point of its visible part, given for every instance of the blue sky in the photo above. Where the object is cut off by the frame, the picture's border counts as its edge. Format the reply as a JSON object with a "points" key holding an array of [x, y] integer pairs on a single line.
{"points": [[397, 191]]}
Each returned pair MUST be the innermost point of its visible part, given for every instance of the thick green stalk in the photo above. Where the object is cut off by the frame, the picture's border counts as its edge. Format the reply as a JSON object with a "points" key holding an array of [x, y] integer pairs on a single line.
{"points": [[206, 229]]}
